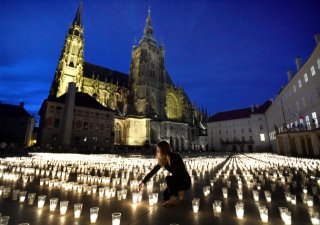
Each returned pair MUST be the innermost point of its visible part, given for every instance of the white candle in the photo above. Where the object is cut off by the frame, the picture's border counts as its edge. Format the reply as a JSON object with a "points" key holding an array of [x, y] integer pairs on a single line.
{"points": [[93, 218]]}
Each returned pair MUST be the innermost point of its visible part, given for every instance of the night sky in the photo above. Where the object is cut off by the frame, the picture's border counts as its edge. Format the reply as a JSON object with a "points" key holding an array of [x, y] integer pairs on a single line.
{"points": [[225, 54]]}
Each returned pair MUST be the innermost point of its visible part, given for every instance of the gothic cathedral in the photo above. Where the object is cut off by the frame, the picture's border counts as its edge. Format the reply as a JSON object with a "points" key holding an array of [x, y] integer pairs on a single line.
{"points": [[149, 106]]}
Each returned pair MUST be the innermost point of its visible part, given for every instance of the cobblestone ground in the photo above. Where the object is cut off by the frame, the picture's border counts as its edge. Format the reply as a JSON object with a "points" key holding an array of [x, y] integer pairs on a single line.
{"points": [[248, 188]]}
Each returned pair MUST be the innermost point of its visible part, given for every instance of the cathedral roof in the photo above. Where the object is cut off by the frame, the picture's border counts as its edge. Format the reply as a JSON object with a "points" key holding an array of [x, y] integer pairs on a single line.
{"points": [[239, 113], [105, 74], [7, 110], [82, 100]]}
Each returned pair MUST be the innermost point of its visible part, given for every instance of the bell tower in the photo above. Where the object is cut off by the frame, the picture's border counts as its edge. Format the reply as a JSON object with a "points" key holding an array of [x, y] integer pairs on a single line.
{"points": [[70, 66], [147, 75]]}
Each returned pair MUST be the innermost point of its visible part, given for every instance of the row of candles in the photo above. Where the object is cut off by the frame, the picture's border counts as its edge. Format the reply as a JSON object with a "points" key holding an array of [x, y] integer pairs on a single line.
{"points": [[248, 170]]}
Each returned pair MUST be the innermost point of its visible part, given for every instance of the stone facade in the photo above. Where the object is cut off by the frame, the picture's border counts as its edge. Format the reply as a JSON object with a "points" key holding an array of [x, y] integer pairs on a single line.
{"points": [[296, 109], [145, 101]]}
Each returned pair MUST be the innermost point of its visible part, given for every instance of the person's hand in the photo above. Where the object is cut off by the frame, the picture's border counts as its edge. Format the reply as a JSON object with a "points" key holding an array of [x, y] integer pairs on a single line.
{"points": [[141, 185]]}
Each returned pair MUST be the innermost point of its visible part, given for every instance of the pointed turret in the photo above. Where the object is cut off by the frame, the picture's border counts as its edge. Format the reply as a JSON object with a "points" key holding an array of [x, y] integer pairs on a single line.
{"points": [[78, 18], [148, 30], [70, 66]]}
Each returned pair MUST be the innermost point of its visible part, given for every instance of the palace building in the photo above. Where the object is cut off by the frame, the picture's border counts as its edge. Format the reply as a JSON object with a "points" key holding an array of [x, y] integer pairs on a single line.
{"points": [[148, 106]]}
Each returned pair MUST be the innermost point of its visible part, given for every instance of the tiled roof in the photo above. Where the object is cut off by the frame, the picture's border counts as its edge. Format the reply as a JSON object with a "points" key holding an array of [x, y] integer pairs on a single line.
{"points": [[239, 113], [105, 74], [83, 100], [7, 110]]}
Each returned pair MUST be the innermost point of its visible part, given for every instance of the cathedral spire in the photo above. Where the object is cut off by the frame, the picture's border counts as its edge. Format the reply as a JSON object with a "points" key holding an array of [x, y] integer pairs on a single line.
{"points": [[78, 18], [148, 30]]}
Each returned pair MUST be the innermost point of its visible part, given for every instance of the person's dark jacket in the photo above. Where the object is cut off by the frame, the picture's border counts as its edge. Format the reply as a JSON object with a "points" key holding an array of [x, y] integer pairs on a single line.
{"points": [[177, 169]]}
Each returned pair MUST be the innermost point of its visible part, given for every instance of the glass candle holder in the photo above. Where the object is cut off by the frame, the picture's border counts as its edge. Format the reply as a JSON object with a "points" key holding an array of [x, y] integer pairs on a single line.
{"points": [[155, 198], [94, 214], [119, 195], [135, 197], [31, 198], [63, 207], [225, 192], [263, 210], [206, 190], [139, 196], [101, 192], [195, 205], [267, 195], [216, 205], [53, 204], [1, 190], [293, 199], [314, 217], [15, 194], [6, 192], [4, 220], [116, 217], [77, 208], [255, 194], [240, 194], [151, 199], [41, 201], [310, 200], [240, 210], [108, 192], [22, 196], [124, 193]]}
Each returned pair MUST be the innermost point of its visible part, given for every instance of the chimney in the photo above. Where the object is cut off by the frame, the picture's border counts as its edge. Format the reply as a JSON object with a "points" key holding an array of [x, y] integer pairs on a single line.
{"points": [[21, 105], [298, 63], [317, 38], [290, 75]]}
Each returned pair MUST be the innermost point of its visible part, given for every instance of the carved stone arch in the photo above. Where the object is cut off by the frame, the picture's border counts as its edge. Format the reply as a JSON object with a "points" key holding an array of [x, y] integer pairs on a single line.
{"points": [[174, 105]]}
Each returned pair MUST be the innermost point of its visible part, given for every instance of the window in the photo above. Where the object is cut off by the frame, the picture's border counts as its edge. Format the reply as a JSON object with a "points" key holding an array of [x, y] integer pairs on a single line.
{"points": [[313, 71], [56, 122], [294, 89], [242, 130], [261, 127], [314, 117], [243, 138], [250, 130], [250, 138], [262, 137], [307, 122], [300, 83], [318, 62], [306, 77], [85, 125], [234, 131]]}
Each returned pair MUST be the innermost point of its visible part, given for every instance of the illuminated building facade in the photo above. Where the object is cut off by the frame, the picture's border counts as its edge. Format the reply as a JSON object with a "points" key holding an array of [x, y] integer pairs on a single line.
{"points": [[241, 130], [149, 106], [293, 118], [76, 119]]}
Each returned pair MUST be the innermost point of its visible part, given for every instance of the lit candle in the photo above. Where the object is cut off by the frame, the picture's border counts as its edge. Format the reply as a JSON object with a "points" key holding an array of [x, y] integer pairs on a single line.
{"points": [[77, 210], [31, 197], [41, 201], [22, 196], [195, 205], [217, 207], [63, 207], [134, 197], [53, 204], [94, 214], [240, 210], [116, 217]]}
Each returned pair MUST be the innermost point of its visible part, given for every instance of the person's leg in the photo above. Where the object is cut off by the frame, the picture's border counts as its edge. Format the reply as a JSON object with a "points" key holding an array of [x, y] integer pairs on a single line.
{"points": [[166, 195], [172, 185]]}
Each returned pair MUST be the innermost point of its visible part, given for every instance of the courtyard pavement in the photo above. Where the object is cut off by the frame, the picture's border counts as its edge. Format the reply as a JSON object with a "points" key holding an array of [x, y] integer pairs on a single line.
{"points": [[181, 213]]}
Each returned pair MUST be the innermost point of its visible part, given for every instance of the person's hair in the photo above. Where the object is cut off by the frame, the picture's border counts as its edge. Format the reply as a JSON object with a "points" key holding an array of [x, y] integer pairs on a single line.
{"points": [[165, 151]]}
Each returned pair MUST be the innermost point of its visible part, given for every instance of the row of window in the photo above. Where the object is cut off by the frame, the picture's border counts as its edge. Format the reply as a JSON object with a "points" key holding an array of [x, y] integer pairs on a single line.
{"points": [[305, 77], [242, 130], [81, 112]]}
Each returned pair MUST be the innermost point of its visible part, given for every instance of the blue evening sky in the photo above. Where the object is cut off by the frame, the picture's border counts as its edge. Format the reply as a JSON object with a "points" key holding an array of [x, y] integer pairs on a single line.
{"points": [[226, 54]]}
